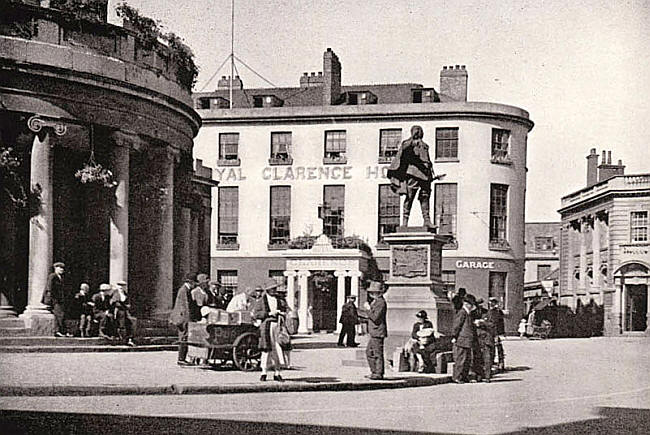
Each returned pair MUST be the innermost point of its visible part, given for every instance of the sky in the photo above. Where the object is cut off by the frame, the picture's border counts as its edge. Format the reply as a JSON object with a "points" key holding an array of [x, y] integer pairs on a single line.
{"points": [[581, 68]]}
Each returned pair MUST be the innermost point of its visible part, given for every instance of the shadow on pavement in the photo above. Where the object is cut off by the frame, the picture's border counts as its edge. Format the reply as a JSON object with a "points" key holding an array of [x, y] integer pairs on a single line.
{"points": [[608, 421], [517, 369], [30, 422], [314, 379]]}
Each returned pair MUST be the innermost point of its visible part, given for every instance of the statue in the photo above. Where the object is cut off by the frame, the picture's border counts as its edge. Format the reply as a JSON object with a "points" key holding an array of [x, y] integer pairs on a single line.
{"points": [[411, 172]]}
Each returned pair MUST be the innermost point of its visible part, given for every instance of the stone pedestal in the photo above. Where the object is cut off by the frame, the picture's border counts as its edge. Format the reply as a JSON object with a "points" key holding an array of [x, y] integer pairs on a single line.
{"points": [[415, 283]]}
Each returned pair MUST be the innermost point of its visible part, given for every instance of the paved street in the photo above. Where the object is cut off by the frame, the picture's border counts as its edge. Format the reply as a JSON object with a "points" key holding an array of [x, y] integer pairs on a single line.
{"points": [[596, 385]]}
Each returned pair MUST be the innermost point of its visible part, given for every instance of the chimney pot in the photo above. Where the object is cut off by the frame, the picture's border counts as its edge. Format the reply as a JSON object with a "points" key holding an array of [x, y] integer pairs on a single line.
{"points": [[593, 151], [313, 74], [603, 160], [620, 162], [609, 157], [305, 74]]}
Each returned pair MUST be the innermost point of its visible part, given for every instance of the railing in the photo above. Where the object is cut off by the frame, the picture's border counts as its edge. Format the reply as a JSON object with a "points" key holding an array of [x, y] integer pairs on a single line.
{"points": [[620, 182], [26, 21]]}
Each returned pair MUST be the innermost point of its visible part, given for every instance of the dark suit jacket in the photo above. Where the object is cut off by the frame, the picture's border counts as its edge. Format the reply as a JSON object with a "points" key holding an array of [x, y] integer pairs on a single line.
{"points": [[349, 315], [180, 314], [55, 291], [464, 330], [409, 162], [101, 305], [377, 316], [495, 315]]}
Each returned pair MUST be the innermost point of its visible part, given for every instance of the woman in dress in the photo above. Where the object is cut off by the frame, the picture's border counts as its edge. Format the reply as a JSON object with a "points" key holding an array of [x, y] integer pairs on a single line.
{"points": [[267, 311]]}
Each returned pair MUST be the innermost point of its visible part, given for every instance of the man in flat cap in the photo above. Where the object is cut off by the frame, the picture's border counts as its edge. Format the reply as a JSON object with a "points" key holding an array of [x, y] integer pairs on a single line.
{"points": [[349, 320], [101, 310], [463, 339], [180, 316], [54, 296], [121, 306], [376, 329]]}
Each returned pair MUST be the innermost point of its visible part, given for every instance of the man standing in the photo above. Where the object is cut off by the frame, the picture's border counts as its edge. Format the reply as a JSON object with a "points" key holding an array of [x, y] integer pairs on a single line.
{"points": [[485, 335], [463, 338], [180, 317], [495, 315], [121, 305], [55, 296], [376, 329], [349, 320], [411, 172]]}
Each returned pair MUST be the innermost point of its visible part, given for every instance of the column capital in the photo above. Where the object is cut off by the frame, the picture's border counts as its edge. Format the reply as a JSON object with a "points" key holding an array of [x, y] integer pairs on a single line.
{"points": [[355, 273], [36, 124], [304, 273], [290, 273], [340, 273]]}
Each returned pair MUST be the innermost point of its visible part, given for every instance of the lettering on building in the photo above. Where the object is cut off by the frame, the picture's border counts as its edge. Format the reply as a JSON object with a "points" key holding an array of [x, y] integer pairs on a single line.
{"points": [[228, 174], [460, 264]]}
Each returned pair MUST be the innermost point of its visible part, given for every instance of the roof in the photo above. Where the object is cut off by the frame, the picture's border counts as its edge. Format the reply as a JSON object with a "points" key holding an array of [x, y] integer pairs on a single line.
{"points": [[542, 229], [396, 93]]}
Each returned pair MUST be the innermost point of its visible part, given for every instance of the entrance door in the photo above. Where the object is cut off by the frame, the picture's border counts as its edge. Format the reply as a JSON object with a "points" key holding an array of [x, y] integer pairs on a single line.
{"points": [[324, 306], [636, 307]]}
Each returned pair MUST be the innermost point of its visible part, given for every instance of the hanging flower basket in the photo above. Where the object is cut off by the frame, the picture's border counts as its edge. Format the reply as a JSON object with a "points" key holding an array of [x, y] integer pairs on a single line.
{"points": [[95, 173], [322, 281]]}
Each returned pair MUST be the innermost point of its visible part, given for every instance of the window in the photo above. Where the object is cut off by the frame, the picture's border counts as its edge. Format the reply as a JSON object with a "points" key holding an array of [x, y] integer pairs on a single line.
{"points": [[280, 215], [544, 243], [445, 208], [278, 276], [228, 216], [280, 147], [335, 146], [543, 270], [388, 211], [333, 210], [228, 148], [500, 140], [639, 226], [449, 280], [446, 143], [497, 287], [498, 215], [228, 280], [389, 142]]}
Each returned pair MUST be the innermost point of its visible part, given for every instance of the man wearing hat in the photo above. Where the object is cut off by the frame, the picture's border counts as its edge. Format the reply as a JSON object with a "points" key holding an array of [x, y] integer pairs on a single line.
{"points": [[349, 321], [376, 329], [267, 310], [463, 339], [495, 315], [199, 297], [55, 296], [101, 309], [180, 316], [120, 305]]}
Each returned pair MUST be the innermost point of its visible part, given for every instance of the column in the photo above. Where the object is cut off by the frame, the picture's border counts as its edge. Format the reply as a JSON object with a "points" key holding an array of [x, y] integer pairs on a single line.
{"points": [[595, 247], [569, 262], [304, 301], [340, 295], [194, 242], [583, 255], [184, 241], [354, 287], [119, 225], [291, 289], [617, 307], [163, 291], [41, 238]]}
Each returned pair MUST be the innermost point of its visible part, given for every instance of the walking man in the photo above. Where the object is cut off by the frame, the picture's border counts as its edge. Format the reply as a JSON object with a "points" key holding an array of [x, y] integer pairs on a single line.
{"points": [[495, 315], [54, 296], [463, 338], [376, 329], [349, 320]]}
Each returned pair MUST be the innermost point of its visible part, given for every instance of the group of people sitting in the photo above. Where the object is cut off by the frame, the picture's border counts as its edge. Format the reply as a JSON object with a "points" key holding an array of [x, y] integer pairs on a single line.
{"points": [[105, 313], [476, 336]]}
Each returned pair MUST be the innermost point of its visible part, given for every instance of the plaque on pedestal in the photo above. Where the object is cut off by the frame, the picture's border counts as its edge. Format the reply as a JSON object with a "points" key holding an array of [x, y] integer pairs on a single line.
{"points": [[415, 283]]}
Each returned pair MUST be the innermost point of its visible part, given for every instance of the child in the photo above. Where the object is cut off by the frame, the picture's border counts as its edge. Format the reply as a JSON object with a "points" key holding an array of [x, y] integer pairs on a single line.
{"points": [[522, 328], [85, 311]]}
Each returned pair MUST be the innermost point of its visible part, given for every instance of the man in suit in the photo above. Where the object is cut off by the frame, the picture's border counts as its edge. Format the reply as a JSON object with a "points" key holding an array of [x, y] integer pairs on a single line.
{"points": [[485, 334], [496, 316], [180, 316], [349, 320], [100, 303], [120, 306], [376, 329], [55, 296], [463, 338]]}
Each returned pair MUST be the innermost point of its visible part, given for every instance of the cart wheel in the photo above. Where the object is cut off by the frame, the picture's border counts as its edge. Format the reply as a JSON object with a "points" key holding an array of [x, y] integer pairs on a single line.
{"points": [[245, 353]]}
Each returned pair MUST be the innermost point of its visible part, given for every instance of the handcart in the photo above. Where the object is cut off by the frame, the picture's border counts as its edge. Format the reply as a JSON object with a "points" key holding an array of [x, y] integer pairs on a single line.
{"points": [[225, 337]]}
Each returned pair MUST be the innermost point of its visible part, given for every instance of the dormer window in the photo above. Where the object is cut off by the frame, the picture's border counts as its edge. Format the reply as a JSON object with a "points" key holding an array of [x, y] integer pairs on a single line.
{"points": [[424, 95], [267, 101], [358, 98]]}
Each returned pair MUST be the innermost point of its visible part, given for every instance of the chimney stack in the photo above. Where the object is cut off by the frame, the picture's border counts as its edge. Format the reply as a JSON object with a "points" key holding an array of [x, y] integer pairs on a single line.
{"points": [[453, 82], [224, 83], [592, 167], [331, 78], [606, 170]]}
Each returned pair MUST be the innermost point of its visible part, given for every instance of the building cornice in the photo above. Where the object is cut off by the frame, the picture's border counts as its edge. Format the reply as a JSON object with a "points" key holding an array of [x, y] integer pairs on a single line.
{"points": [[366, 113]]}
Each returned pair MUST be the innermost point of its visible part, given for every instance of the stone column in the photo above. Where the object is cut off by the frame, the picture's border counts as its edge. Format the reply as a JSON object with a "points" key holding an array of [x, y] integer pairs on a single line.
{"points": [[304, 301], [41, 227], [291, 289], [119, 224], [595, 247], [340, 295], [163, 287], [623, 303], [617, 305], [354, 284], [194, 242], [570, 267], [583, 256], [184, 263]]}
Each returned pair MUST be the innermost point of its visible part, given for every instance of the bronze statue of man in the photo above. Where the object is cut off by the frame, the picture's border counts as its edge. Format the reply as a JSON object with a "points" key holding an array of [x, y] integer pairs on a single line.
{"points": [[411, 172]]}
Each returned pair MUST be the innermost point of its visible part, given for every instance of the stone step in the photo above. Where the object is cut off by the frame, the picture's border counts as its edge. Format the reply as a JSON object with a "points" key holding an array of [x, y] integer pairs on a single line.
{"points": [[354, 363], [12, 322], [14, 331], [51, 341], [89, 348]]}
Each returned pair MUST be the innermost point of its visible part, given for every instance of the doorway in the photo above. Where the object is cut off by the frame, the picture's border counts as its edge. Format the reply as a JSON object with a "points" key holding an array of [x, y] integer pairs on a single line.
{"points": [[323, 302], [636, 307]]}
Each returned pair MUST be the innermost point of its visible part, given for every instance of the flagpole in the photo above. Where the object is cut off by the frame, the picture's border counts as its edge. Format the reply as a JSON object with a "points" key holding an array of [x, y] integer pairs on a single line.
{"points": [[232, 47]]}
